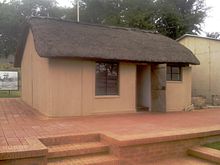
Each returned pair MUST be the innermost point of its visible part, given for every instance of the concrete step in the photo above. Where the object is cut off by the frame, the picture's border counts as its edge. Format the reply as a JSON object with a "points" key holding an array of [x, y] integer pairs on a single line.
{"points": [[80, 138], [98, 159], [206, 153], [77, 149]]}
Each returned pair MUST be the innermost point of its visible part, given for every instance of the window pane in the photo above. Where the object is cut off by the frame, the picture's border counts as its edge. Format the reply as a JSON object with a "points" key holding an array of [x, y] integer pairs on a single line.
{"points": [[169, 77], [106, 78], [174, 73], [112, 85], [168, 69], [101, 79], [112, 79], [175, 77], [175, 70]]}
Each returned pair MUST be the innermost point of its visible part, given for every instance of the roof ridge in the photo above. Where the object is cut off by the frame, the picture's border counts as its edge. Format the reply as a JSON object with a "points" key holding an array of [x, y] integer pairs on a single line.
{"points": [[97, 25]]}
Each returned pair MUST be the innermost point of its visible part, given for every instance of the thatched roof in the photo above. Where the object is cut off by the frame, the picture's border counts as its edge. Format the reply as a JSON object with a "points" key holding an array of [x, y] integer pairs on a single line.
{"points": [[58, 38]]}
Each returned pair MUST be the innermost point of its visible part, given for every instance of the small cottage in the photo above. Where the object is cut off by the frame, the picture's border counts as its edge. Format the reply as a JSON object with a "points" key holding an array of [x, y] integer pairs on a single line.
{"points": [[206, 76], [75, 69]]}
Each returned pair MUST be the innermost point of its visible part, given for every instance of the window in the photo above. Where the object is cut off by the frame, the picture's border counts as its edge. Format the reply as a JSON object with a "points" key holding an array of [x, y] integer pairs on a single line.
{"points": [[174, 73], [106, 79]]}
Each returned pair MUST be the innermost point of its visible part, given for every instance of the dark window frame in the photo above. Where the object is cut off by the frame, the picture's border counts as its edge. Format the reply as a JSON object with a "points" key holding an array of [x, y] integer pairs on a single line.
{"points": [[108, 78], [172, 74]]}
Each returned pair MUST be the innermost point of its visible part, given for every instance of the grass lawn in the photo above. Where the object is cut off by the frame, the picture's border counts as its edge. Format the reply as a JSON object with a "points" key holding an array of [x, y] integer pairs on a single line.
{"points": [[215, 145], [12, 94]]}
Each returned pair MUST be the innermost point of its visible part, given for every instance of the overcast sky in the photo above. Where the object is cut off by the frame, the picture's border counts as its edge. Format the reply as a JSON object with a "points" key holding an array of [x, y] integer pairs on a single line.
{"points": [[212, 22]]}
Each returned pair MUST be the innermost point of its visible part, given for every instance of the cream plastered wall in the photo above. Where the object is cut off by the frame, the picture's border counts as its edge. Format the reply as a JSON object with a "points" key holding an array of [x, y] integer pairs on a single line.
{"points": [[26, 73], [206, 76], [66, 87], [73, 89], [125, 102], [178, 93], [35, 87]]}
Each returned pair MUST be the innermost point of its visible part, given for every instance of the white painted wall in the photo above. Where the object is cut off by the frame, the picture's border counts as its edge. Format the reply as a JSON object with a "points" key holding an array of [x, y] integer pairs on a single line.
{"points": [[144, 86]]}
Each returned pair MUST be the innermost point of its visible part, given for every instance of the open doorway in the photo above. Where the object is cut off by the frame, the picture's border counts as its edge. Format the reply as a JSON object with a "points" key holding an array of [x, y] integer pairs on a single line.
{"points": [[143, 88]]}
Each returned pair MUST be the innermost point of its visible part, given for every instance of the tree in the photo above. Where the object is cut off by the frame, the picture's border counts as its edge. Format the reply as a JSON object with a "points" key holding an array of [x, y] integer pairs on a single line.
{"points": [[29, 8], [100, 11], [9, 28], [172, 18], [177, 17], [13, 15], [129, 13], [139, 14]]}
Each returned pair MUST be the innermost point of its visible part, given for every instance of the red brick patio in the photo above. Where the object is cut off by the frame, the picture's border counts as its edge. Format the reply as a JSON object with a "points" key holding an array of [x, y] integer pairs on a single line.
{"points": [[17, 120]]}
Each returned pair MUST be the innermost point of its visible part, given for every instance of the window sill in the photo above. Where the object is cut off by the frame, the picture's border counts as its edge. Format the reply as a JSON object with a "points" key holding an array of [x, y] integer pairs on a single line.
{"points": [[107, 97], [176, 82]]}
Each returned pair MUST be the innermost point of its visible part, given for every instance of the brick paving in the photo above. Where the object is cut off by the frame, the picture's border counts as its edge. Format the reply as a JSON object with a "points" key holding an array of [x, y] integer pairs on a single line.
{"points": [[18, 120], [185, 160]]}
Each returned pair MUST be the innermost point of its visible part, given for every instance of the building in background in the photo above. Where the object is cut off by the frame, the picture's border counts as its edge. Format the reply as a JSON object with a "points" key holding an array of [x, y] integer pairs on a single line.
{"points": [[206, 76]]}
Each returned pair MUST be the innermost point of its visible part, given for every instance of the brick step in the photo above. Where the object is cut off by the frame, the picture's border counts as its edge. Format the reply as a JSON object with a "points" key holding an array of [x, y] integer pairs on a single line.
{"points": [[77, 149], [98, 159], [81, 138], [206, 153]]}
